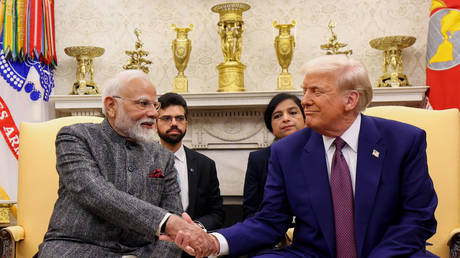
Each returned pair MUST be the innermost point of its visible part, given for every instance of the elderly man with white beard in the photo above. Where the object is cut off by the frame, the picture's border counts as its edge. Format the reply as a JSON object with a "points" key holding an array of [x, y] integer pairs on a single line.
{"points": [[118, 190]]}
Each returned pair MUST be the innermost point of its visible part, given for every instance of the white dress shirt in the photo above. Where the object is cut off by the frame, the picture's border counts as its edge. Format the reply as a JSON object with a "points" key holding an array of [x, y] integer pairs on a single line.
{"points": [[180, 163], [350, 152]]}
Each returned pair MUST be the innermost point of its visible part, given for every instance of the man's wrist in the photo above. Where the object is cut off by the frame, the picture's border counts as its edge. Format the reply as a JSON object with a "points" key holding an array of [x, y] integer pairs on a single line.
{"points": [[163, 227], [216, 244], [222, 244], [201, 225]]}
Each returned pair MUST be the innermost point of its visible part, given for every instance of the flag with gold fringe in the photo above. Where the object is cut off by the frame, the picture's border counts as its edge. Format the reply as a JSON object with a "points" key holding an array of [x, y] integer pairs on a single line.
{"points": [[443, 54], [28, 46], [27, 62]]}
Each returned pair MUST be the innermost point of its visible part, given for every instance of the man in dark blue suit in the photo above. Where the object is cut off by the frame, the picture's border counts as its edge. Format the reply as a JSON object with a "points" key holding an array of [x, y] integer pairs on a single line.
{"points": [[358, 185]]}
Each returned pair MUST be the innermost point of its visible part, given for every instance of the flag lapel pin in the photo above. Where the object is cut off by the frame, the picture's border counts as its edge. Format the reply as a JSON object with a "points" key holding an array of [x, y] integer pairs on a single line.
{"points": [[375, 153]]}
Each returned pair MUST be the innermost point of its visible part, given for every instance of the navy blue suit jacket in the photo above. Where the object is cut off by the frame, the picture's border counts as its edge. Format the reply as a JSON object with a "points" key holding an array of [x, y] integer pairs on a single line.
{"points": [[394, 195]]}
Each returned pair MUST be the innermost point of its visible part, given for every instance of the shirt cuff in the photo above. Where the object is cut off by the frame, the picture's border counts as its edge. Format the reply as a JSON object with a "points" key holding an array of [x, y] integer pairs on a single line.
{"points": [[224, 249], [158, 233]]}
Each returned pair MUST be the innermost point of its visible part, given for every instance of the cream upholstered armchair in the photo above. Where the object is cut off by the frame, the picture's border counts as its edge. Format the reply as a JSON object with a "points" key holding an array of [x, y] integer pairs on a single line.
{"points": [[37, 185], [443, 152]]}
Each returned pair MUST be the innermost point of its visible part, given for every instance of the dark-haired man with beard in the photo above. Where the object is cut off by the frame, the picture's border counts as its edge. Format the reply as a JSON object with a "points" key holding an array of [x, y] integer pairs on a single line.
{"points": [[197, 176]]}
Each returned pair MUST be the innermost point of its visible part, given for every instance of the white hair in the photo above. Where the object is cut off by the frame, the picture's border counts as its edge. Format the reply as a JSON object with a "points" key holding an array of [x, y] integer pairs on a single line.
{"points": [[350, 73], [113, 86]]}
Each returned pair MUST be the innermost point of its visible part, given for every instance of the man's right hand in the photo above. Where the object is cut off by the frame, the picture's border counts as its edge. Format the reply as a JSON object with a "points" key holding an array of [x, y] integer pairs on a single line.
{"points": [[189, 236]]}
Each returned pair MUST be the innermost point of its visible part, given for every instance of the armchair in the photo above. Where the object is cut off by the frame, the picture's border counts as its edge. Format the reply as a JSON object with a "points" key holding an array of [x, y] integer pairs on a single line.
{"points": [[37, 185], [443, 152]]}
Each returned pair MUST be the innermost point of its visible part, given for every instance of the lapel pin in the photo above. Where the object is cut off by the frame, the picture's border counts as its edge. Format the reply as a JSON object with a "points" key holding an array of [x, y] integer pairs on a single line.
{"points": [[375, 153]]}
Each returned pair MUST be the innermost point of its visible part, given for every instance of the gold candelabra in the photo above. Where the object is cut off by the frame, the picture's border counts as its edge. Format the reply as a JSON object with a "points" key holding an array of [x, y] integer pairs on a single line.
{"points": [[333, 46], [84, 56], [284, 47], [137, 60], [230, 29], [181, 47], [392, 59]]}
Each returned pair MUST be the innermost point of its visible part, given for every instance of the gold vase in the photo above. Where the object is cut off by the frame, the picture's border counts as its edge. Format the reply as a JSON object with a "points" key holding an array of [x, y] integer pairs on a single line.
{"points": [[84, 56], [181, 47], [284, 47], [392, 46], [230, 29]]}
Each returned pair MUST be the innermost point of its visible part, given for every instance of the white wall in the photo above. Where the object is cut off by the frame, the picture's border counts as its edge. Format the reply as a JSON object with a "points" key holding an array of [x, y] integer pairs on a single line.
{"points": [[110, 24]]}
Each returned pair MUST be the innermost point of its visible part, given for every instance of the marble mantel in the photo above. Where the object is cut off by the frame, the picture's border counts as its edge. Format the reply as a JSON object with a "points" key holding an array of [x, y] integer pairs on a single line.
{"points": [[65, 105], [227, 126]]}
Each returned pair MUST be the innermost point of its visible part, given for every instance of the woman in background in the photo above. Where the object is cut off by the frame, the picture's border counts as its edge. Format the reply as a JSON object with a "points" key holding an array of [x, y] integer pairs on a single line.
{"points": [[283, 116]]}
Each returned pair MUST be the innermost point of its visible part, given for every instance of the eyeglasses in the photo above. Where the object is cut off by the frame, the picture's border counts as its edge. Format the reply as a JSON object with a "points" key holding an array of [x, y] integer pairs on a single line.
{"points": [[179, 119], [142, 104]]}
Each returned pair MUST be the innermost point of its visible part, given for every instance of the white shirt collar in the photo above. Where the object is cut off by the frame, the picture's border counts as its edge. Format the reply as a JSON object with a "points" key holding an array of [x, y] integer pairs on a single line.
{"points": [[180, 154], [350, 136]]}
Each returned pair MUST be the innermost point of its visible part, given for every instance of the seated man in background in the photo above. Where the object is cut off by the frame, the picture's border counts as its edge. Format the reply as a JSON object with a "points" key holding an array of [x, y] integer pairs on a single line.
{"points": [[357, 185], [197, 176], [117, 187], [283, 116]]}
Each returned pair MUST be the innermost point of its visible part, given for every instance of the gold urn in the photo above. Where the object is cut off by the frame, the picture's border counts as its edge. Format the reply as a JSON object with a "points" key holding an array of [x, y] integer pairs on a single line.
{"points": [[84, 56], [230, 29], [392, 47], [284, 47], [181, 47]]}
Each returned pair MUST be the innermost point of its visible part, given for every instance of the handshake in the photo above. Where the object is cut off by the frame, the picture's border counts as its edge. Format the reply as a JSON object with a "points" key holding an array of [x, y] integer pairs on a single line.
{"points": [[190, 237]]}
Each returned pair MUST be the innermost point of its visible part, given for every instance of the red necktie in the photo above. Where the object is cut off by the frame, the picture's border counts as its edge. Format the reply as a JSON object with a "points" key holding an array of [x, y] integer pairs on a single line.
{"points": [[342, 198]]}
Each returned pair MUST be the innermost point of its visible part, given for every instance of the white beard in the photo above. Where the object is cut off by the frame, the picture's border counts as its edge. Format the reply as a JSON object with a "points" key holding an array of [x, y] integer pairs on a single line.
{"points": [[133, 129]]}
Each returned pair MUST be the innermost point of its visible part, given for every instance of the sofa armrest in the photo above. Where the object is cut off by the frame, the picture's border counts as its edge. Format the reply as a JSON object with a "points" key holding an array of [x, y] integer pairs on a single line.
{"points": [[454, 243], [16, 232], [8, 238]]}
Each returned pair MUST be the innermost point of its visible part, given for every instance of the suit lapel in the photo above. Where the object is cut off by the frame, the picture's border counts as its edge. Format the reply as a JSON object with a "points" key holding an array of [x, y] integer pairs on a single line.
{"points": [[314, 162], [192, 173], [368, 172]]}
